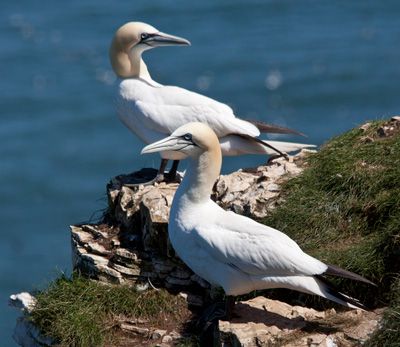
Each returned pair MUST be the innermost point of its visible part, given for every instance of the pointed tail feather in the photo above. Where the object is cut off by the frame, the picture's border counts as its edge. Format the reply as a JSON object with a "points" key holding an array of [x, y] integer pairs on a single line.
{"points": [[290, 146], [329, 291], [273, 129], [238, 144], [337, 271]]}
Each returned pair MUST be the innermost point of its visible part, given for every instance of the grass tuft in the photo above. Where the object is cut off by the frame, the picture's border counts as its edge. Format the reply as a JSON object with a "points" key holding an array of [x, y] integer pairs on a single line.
{"points": [[345, 208], [81, 312], [388, 334]]}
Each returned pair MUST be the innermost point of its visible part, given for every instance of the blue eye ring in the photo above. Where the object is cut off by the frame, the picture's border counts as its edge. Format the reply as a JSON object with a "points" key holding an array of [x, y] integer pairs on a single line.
{"points": [[144, 36], [187, 137]]}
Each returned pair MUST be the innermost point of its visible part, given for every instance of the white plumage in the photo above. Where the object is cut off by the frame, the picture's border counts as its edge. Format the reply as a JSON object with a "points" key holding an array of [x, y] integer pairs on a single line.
{"points": [[152, 111], [235, 252], [230, 250]]}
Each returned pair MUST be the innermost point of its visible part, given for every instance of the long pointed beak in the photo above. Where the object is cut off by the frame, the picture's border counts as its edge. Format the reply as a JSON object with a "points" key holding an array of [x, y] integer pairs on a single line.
{"points": [[168, 144], [161, 39]]}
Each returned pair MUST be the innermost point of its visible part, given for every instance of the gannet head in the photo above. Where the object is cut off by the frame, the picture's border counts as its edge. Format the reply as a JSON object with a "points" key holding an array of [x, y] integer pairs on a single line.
{"points": [[131, 40], [191, 139]]}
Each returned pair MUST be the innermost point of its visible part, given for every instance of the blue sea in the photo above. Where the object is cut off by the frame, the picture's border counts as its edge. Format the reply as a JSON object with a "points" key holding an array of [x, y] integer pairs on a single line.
{"points": [[320, 67]]}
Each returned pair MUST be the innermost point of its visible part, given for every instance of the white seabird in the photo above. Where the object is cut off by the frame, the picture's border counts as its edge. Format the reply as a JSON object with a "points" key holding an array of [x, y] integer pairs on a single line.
{"points": [[152, 111], [230, 250]]}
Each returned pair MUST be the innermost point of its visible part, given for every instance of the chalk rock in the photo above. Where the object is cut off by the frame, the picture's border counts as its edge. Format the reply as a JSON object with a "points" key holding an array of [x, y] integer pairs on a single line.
{"points": [[264, 322], [24, 301], [158, 334], [254, 192], [25, 333], [391, 128]]}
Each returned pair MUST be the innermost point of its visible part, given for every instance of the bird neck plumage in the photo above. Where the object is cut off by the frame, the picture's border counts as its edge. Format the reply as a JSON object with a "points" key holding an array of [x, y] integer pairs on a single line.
{"points": [[138, 66], [128, 65], [201, 175]]}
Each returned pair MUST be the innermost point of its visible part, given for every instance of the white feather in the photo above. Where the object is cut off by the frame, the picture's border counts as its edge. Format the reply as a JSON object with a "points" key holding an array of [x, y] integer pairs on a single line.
{"points": [[234, 251], [236, 145], [153, 111]]}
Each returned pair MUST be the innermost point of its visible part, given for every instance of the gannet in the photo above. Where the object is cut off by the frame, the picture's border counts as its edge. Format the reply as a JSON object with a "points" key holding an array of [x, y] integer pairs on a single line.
{"points": [[230, 250], [152, 111]]}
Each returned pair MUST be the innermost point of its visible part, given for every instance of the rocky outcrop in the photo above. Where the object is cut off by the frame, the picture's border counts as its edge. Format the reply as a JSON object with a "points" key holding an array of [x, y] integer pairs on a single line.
{"points": [[131, 244], [25, 333], [264, 322]]}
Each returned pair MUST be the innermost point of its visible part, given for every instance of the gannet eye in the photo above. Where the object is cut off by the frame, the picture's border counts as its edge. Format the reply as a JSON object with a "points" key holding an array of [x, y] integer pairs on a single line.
{"points": [[187, 137], [144, 36]]}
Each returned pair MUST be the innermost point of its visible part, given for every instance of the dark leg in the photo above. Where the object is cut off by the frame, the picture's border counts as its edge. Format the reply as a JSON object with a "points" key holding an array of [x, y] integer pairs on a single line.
{"points": [[207, 323], [218, 310], [145, 181], [160, 175], [229, 307], [171, 175]]}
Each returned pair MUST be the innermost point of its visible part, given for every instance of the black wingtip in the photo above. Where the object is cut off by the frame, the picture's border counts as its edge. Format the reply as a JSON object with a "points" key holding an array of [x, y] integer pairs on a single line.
{"points": [[264, 143], [274, 129], [332, 290], [337, 271]]}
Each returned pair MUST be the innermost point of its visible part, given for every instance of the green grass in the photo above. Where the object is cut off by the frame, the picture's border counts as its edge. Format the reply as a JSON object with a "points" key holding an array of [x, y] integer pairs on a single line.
{"points": [[81, 312], [345, 209], [388, 335]]}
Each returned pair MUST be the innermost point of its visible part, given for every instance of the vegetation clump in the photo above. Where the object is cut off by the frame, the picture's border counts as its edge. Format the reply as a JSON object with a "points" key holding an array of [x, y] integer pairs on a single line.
{"points": [[345, 207], [82, 312], [388, 334]]}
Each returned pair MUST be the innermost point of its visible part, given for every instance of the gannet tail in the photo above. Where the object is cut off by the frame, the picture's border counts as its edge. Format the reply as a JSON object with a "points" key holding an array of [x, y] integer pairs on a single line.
{"points": [[328, 291], [315, 285], [273, 129], [337, 271], [238, 144], [289, 146]]}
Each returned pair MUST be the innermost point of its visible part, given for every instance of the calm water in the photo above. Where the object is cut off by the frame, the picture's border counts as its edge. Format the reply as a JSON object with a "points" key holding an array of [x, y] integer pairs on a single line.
{"points": [[319, 67]]}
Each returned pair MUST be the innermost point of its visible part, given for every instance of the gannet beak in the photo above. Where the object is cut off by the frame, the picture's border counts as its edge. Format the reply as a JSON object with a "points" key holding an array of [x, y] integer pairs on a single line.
{"points": [[161, 39], [171, 143]]}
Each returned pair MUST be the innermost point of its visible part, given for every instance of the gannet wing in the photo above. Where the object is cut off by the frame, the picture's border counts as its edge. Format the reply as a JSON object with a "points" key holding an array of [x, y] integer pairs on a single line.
{"points": [[239, 144], [254, 248], [172, 107], [273, 129]]}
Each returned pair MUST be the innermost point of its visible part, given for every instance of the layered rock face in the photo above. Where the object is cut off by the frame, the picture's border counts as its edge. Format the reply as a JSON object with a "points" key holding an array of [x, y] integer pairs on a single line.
{"points": [[131, 244], [265, 322]]}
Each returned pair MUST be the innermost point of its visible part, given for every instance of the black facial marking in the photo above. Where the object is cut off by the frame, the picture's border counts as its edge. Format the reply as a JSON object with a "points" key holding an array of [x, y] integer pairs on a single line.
{"points": [[187, 137]]}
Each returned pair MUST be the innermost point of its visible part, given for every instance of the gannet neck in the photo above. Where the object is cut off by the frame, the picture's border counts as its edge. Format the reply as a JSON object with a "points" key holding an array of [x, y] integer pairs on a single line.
{"points": [[127, 63], [201, 175], [138, 66]]}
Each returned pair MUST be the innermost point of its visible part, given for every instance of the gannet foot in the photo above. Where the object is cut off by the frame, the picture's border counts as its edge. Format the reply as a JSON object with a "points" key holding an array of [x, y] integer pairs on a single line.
{"points": [[142, 177], [166, 177], [172, 177], [207, 324], [222, 310], [229, 307], [158, 179], [273, 157]]}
